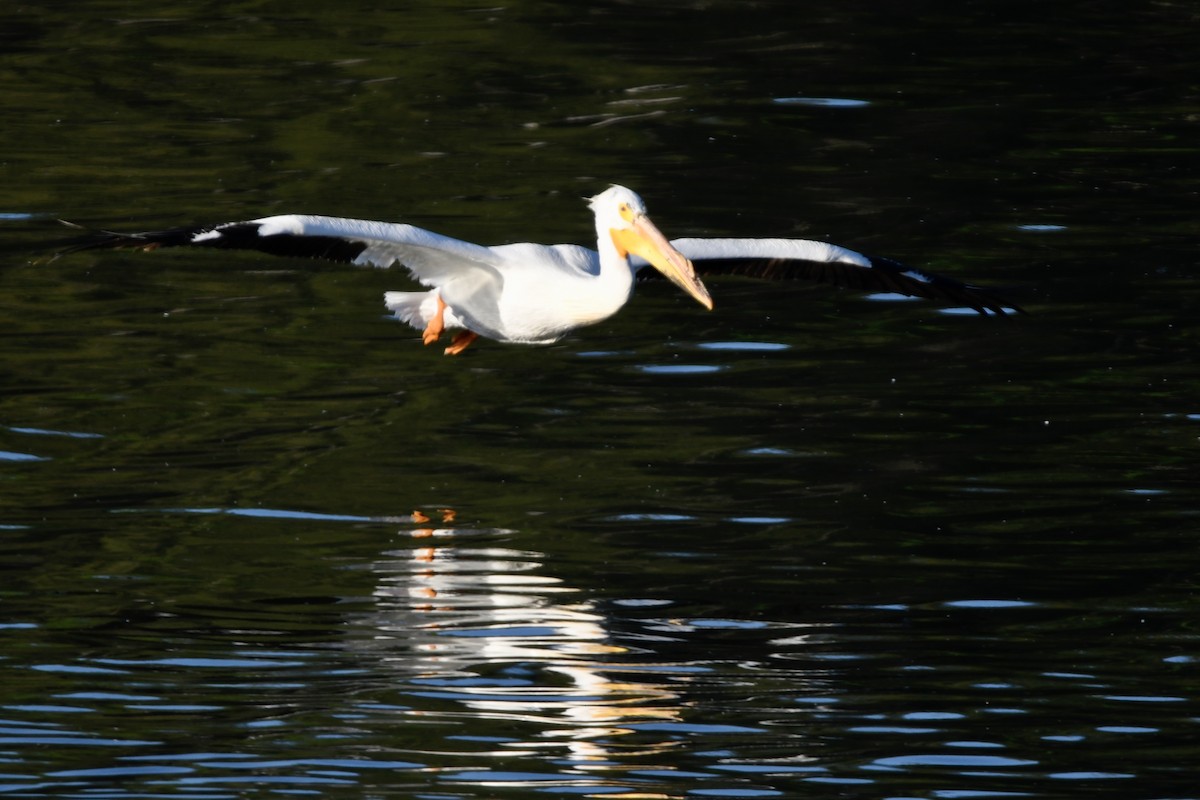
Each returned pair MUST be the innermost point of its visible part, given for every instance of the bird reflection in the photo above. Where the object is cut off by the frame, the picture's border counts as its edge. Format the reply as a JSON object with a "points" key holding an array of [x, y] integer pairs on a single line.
{"points": [[482, 628]]}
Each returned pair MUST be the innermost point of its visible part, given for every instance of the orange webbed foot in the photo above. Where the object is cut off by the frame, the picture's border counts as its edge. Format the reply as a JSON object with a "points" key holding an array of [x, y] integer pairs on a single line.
{"points": [[461, 341], [433, 330]]}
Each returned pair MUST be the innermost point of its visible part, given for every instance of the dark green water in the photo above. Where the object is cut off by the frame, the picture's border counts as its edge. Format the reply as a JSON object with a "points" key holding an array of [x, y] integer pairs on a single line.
{"points": [[807, 545]]}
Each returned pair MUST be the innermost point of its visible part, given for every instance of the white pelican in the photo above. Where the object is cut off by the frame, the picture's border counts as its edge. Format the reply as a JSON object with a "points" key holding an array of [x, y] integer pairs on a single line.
{"points": [[536, 294]]}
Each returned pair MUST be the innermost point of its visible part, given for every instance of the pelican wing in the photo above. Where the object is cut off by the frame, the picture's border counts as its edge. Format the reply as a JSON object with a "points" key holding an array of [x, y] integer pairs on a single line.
{"points": [[432, 259], [804, 259]]}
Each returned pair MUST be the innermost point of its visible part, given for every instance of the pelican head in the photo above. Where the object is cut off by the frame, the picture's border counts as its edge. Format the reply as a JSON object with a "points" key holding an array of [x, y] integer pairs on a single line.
{"points": [[622, 215]]}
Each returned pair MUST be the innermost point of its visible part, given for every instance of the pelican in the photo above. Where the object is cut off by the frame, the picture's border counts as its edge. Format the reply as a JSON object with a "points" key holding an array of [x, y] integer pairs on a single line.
{"points": [[536, 294]]}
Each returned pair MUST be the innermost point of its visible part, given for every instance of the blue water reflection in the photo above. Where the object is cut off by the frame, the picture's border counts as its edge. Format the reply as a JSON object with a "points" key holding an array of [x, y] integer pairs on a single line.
{"points": [[822, 102]]}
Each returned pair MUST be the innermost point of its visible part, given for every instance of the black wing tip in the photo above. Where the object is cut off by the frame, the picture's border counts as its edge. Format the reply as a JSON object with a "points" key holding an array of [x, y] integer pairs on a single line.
{"points": [[932, 286], [995, 301], [883, 275], [223, 236], [982, 300], [100, 239], [1003, 296], [1005, 308]]}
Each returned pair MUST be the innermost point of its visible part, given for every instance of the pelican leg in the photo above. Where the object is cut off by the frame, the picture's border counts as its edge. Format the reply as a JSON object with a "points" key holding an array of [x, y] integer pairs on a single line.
{"points": [[433, 330], [460, 342]]}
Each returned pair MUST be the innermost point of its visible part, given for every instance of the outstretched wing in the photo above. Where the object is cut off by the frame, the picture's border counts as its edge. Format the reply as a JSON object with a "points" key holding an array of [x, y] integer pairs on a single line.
{"points": [[803, 259], [432, 258]]}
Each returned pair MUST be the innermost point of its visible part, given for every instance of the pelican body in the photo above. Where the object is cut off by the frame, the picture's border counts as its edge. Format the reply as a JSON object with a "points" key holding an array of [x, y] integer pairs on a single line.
{"points": [[536, 294]]}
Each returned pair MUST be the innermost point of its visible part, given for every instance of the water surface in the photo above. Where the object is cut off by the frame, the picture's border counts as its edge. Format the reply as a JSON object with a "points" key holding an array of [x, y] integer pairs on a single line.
{"points": [[256, 540]]}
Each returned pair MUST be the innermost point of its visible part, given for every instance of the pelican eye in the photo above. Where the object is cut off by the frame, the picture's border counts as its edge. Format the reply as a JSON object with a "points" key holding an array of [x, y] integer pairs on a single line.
{"points": [[626, 212]]}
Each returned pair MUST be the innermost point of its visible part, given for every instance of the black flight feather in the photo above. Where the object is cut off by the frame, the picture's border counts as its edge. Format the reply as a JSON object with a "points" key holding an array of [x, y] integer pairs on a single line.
{"points": [[229, 236], [884, 275]]}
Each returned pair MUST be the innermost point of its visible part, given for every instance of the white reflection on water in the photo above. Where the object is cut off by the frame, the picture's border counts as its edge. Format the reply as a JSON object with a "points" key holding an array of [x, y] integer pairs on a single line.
{"points": [[484, 628]]}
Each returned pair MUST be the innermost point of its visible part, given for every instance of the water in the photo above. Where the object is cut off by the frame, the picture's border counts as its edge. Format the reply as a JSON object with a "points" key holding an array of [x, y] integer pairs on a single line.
{"points": [[256, 540]]}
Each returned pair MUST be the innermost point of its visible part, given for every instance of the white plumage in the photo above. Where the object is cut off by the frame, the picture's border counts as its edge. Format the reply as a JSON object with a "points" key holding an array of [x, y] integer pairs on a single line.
{"points": [[534, 294]]}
